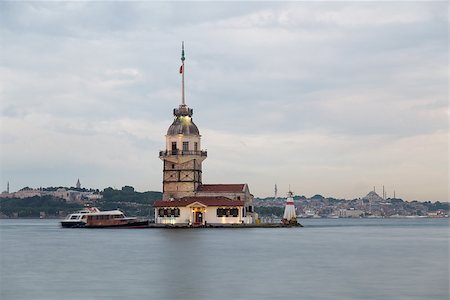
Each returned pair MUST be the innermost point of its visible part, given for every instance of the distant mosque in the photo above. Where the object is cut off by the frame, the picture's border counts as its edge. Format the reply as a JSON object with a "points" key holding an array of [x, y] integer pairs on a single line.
{"points": [[186, 200]]}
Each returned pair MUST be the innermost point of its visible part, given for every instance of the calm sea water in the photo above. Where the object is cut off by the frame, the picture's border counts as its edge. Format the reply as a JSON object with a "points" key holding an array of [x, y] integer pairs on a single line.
{"points": [[327, 259]]}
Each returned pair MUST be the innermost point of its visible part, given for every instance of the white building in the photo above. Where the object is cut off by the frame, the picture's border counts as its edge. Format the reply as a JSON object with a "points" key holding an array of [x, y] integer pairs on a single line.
{"points": [[186, 200], [201, 211], [350, 213]]}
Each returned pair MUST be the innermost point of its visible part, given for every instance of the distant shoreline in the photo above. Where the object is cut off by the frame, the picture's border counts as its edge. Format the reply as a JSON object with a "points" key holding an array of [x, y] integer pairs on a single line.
{"points": [[397, 217]]}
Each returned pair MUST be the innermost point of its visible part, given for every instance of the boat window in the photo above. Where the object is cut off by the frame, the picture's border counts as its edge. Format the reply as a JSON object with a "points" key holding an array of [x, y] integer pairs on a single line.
{"points": [[74, 217]]}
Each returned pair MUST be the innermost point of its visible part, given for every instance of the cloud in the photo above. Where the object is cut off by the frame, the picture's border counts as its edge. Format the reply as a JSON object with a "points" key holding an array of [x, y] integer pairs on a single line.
{"points": [[336, 165], [88, 88]]}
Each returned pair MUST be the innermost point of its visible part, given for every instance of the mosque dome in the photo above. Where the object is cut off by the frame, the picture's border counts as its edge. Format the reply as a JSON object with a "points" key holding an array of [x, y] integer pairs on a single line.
{"points": [[183, 125]]}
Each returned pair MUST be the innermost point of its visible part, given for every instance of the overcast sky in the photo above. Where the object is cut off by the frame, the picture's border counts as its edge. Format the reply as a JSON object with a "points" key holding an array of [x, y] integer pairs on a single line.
{"points": [[331, 98]]}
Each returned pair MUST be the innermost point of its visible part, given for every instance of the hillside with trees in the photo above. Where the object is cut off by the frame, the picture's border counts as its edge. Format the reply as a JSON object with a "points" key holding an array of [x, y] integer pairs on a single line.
{"points": [[128, 200]]}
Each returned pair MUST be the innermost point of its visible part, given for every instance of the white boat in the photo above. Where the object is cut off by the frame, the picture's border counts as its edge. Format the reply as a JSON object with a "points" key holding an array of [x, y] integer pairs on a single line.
{"points": [[309, 213], [79, 218]]}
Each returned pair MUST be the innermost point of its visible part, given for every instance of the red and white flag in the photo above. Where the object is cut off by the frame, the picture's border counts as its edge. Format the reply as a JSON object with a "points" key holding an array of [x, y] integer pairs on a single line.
{"points": [[181, 69]]}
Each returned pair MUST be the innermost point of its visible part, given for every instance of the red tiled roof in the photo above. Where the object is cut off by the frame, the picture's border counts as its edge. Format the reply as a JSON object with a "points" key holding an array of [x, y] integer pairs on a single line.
{"points": [[207, 201], [230, 188]]}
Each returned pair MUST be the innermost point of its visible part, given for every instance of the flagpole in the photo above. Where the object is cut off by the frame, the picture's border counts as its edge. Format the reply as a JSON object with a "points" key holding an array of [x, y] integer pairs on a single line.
{"points": [[182, 73]]}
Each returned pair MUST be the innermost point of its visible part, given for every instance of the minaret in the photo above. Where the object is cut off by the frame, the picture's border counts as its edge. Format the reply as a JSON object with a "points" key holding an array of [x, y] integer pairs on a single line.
{"points": [[276, 191], [7, 188], [183, 157], [78, 184]]}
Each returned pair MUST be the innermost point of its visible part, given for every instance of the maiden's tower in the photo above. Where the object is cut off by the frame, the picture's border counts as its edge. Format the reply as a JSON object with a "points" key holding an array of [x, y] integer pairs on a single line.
{"points": [[186, 200]]}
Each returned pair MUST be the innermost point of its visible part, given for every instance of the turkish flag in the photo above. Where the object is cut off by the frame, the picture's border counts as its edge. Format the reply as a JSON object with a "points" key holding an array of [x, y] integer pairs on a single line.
{"points": [[181, 69]]}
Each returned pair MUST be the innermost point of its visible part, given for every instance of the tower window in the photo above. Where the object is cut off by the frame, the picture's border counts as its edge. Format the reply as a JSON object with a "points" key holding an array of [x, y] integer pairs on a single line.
{"points": [[185, 146], [173, 166], [174, 146], [195, 146]]}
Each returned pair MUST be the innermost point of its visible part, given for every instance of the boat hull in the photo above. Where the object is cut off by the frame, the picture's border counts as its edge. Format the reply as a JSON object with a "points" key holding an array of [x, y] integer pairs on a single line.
{"points": [[67, 224], [130, 224]]}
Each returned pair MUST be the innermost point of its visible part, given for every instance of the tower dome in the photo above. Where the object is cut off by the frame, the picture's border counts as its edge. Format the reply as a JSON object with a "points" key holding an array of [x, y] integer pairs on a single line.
{"points": [[183, 123]]}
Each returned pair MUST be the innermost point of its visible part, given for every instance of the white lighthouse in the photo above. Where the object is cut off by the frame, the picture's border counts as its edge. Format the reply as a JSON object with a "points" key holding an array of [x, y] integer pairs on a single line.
{"points": [[289, 216]]}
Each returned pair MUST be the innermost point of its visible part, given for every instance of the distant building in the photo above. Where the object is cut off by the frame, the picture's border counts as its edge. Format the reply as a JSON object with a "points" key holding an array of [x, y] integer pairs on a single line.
{"points": [[350, 213], [78, 185], [186, 200], [23, 193], [373, 197], [68, 195], [60, 193]]}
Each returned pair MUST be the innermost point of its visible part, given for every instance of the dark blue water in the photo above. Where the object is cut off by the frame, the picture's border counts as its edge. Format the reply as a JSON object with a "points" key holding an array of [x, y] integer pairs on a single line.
{"points": [[327, 259]]}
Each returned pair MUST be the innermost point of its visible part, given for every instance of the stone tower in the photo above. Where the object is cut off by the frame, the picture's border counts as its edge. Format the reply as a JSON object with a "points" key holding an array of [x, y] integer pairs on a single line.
{"points": [[183, 157]]}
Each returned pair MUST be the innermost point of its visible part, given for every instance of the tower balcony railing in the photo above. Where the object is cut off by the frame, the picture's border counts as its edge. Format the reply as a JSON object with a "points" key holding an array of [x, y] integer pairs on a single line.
{"points": [[183, 110], [182, 153]]}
